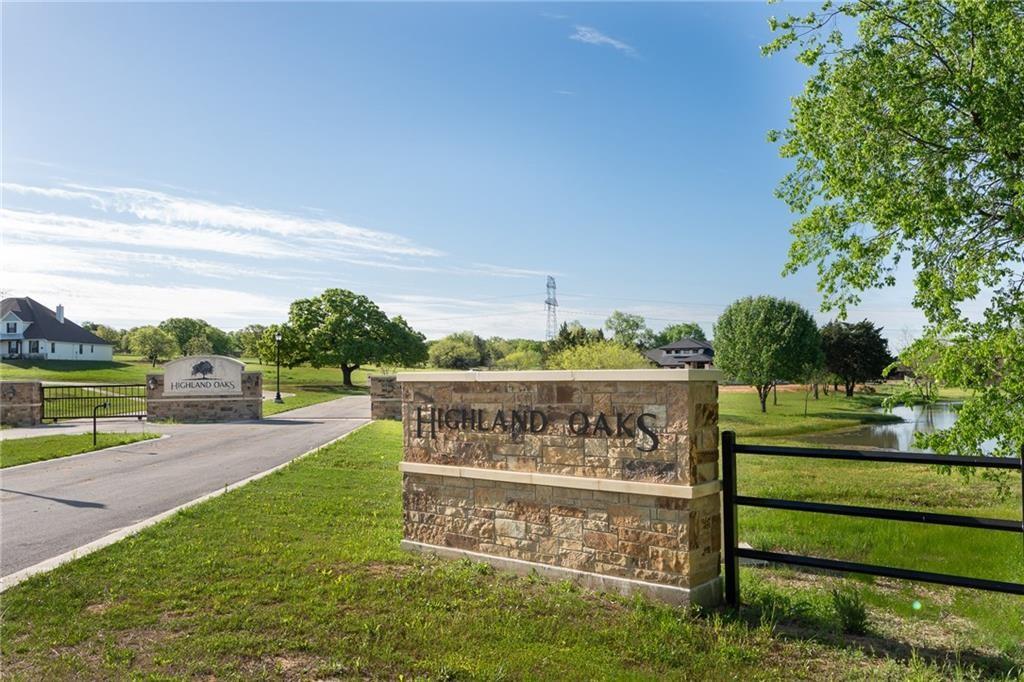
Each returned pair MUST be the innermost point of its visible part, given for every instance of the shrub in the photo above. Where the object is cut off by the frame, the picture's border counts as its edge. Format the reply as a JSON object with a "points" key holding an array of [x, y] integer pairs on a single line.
{"points": [[520, 359], [598, 355], [851, 611]]}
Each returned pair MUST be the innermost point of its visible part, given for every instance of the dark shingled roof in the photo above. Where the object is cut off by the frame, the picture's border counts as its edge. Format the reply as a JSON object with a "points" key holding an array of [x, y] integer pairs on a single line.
{"points": [[44, 322], [683, 344]]}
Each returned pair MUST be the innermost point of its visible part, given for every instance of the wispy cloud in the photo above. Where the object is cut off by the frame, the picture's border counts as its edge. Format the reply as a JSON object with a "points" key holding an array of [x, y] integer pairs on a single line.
{"points": [[141, 255], [565, 93], [163, 208], [592, 36]]}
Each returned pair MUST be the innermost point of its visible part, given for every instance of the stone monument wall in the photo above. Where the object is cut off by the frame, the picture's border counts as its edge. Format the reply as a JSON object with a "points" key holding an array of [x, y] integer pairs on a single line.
{"points": [[385, 398], [205, 408], [21, 403], [605, 477]]}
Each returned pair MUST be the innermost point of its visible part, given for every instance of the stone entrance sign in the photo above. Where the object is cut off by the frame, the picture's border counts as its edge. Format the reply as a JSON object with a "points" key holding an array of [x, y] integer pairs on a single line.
{"points": [[203, 375], [204, 388], [606, 477]]}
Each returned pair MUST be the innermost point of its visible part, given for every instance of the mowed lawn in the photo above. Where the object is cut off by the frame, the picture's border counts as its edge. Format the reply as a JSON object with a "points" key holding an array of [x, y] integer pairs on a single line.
{"points": [[299, 575], [16, 451]]}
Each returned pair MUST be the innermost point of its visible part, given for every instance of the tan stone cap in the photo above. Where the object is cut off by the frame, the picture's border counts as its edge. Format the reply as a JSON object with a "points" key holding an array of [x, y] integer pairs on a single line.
{"points": [[566, 375]]}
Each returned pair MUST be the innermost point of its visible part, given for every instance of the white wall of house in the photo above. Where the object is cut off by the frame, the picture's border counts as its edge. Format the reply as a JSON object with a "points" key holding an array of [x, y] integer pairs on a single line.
{"points": [[64, 350], [59, 350]]}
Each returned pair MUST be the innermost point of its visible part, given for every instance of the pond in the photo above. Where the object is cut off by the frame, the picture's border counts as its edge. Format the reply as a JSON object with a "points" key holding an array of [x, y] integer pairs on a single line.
{"points": [[895, 436]]}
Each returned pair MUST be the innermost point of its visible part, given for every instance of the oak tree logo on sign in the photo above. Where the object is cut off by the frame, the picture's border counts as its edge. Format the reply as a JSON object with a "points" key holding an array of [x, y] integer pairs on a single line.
{"points": [[210, 375], [203, 369]]}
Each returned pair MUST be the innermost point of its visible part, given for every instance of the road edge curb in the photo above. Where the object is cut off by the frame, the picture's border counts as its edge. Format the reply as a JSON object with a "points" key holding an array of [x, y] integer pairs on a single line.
{"points": [[46, 565]]}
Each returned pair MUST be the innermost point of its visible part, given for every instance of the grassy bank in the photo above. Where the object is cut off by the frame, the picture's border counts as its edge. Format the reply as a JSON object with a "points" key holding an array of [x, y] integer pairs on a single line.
{"points": [[299, 575], [17, 451]]}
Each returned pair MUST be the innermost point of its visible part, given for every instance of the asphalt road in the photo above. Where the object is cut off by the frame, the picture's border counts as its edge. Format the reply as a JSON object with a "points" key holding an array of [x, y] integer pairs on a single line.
{"points": [[53, 507]]}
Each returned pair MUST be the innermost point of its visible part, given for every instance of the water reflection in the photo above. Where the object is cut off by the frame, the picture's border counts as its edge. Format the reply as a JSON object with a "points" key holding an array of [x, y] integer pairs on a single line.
{"points": [[897, 436]]}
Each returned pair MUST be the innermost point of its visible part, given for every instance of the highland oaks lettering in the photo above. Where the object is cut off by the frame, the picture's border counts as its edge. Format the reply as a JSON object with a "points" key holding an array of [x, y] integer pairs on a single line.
{"points": [[431, 420]]}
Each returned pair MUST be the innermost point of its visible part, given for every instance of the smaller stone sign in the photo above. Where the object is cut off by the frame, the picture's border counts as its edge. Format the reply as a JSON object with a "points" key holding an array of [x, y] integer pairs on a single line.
{"points": [[203, 375]]}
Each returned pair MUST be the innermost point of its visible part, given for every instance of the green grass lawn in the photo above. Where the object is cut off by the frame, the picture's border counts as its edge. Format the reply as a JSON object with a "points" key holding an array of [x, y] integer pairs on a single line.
{"points": [[17, 451], [299, 576]]}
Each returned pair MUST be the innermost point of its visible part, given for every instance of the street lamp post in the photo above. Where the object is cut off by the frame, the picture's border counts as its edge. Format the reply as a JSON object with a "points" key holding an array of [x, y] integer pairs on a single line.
{"points": [[277, 342]]}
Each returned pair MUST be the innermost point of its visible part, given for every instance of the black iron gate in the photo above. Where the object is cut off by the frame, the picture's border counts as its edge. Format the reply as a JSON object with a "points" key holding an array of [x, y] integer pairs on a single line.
{"points": [[93, 400], [731, 501]]}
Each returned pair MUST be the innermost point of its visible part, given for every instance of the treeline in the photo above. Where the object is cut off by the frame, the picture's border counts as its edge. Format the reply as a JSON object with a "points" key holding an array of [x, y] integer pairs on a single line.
{"points": [[759, 341], [574, 347], [180, 336]]}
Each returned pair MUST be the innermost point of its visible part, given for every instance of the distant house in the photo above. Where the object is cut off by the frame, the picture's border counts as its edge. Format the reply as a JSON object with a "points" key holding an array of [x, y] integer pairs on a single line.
{"points": [[30, 330], [684, 354]]}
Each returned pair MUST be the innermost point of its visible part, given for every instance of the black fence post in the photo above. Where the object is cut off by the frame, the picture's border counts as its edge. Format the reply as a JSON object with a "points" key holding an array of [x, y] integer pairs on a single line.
{"points": [[729, 521]]}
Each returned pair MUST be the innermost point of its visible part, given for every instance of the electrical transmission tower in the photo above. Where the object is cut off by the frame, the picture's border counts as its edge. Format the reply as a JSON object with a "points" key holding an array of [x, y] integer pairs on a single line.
{"points": [[551, 303]]}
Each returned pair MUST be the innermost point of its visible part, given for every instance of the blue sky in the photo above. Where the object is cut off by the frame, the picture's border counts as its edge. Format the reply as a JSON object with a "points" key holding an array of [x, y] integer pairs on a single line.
{"points": [[220, 161]]}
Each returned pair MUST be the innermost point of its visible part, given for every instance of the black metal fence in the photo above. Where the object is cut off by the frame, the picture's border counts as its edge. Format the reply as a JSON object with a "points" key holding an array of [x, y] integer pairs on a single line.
{"points": [[86, 401], [731, 501]]}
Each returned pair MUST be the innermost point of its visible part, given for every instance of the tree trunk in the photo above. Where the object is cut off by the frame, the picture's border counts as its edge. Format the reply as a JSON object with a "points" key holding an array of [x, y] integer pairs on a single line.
{"points": [[815, 391], [762, 394], [849, 389], [775, 394], [346, 375]]}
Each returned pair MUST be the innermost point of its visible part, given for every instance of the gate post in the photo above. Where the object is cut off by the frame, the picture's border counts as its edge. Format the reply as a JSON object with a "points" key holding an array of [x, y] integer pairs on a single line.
{"points": [[729, 521]]}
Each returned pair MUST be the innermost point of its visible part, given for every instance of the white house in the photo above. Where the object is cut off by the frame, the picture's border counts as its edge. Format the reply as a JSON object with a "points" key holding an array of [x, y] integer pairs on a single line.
{"points": [[30, 330]]}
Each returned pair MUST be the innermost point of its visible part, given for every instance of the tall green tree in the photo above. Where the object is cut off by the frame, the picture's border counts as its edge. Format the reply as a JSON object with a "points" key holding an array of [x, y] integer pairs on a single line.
{"points": [[681, 330], [629, 330], [152, 343], [908, 144], [572, 334], [343, 329], [292, 347], [198, 345], [855, 352], [183, 329], [763, 340], [247, 339], [462, 350]]}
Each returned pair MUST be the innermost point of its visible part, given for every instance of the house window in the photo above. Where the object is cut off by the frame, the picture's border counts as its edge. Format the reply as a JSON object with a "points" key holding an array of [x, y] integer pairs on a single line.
{"points": [[12, 327], [33, 346], [92, 348], [80, 349], [53, 347]]}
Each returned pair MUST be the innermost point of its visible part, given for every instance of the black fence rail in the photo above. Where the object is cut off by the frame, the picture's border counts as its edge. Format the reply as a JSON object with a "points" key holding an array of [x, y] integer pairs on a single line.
{"points": [[94, 400], [731, 501]]}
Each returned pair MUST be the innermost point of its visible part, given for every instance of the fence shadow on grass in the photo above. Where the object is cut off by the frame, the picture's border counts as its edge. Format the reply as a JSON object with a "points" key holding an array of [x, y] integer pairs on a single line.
{"points": [[799, 618]]}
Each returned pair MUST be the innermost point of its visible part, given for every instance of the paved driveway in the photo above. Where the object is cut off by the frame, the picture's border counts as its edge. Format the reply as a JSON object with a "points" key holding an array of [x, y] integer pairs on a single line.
{"points": [[53, 507]]}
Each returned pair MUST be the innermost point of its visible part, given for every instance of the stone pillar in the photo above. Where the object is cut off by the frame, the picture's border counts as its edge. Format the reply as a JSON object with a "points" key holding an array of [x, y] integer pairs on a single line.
{"points": [[21, 403], [205, 408], [385, 398], [606, 477]]}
